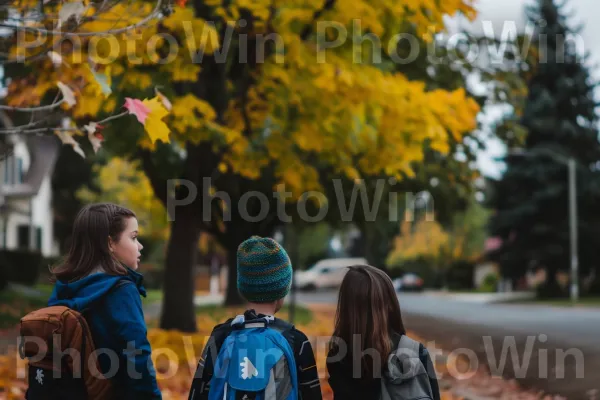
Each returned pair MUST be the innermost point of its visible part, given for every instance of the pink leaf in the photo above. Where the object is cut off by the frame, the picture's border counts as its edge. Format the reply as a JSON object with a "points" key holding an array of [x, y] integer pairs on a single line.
{"points": [[137, 108]]}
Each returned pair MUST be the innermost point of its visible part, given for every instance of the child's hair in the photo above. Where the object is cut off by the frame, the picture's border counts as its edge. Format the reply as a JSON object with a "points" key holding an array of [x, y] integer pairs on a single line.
{"points": [[89, 248], [367, 314]]}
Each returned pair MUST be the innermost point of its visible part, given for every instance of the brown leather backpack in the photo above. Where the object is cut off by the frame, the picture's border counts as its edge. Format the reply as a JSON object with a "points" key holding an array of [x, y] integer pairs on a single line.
{"points": [[57, 328]]}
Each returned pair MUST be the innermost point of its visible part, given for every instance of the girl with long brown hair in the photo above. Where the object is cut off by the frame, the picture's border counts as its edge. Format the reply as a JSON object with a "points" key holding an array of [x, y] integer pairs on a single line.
{"points": [[368, 329], [98, 278]]}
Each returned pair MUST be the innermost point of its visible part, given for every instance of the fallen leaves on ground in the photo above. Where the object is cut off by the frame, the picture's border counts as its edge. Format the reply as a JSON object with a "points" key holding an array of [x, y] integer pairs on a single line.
{"points": [[176, 355]]}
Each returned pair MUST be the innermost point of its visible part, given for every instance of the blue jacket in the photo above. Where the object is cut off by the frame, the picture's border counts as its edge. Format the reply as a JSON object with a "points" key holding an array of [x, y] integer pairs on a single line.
{"points": [[115, 317]]}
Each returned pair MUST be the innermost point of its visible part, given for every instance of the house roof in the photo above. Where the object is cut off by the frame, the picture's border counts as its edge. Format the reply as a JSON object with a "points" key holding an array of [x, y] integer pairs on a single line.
{"points": [[43, 151]]}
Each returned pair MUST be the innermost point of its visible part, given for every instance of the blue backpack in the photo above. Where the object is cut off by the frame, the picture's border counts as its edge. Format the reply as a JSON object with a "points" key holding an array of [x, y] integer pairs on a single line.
{"points": [[256, 362]]}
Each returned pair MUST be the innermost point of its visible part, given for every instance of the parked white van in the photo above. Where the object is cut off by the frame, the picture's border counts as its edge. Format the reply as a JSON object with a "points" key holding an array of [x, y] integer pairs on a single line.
{"points": [[326, 274]]}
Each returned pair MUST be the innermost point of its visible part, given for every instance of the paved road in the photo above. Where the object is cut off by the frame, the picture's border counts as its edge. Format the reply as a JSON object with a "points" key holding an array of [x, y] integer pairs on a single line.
{"points": [[579, 326], [454, 324]]}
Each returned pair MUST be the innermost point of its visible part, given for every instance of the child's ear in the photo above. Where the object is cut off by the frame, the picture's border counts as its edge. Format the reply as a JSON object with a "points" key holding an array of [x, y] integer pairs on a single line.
{"points": [[279, 304]]}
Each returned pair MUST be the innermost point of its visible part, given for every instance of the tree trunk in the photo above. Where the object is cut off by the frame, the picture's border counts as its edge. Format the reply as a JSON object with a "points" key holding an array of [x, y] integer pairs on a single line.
{"points": [[232, 297], [178, 302]]}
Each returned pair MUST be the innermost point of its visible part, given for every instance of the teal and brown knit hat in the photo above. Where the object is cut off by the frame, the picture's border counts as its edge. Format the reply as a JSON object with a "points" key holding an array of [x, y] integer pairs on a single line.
{"points": [[264, 270]]}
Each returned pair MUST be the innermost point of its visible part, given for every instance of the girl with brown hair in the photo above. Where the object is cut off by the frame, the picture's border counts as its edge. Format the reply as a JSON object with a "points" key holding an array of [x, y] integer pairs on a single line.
{"points": [[368, 330], [98, 278]]}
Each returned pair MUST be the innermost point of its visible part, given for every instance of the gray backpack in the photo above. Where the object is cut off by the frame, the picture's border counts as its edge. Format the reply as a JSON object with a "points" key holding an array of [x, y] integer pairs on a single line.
{"points": [[406, 378]]}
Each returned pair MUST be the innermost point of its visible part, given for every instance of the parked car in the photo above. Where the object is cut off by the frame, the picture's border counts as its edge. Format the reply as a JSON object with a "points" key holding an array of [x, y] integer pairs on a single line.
{"points": [[325, 274], [408, 282]]}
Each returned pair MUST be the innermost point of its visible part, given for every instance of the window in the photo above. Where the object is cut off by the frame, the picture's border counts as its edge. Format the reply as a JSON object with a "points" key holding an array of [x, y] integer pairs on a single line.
{"points": [[8, 170], [23, 237], [19, 171], [38, 238]]}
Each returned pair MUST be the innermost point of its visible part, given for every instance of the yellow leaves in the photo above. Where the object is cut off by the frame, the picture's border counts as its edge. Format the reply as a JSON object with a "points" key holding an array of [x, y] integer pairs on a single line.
{"points": [[150, 113], [136, 79], [346, 112], [119, 15], [295, 15], [174, 21], [199, 32], [260, 9], [191, 112], [196, 33], [182, 70], [356, 118], [155, 127], [278, 74], [89, 103], [420, 239]]}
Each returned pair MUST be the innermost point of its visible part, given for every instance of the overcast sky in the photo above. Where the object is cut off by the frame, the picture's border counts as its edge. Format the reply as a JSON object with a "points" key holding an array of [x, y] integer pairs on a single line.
{"points": [[498, 12]]}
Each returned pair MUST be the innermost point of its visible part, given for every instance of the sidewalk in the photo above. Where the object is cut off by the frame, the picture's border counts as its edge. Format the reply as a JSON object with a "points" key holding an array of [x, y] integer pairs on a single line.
{"points": [[208, 299], [483, 298]]}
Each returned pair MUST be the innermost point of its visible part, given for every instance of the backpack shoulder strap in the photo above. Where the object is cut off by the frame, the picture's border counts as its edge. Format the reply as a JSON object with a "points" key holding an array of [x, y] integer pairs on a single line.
{"points": [[281, 326], [285, 328]]}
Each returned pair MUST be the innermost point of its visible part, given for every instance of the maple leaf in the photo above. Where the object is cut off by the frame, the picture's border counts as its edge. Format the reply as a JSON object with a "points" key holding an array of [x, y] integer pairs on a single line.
{"points": [[137, 108], [155, 127], [67, 93]]}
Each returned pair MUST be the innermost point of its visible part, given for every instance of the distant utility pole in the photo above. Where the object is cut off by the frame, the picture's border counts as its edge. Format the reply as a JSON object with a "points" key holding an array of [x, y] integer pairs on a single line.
{"points": [[573, 217]]}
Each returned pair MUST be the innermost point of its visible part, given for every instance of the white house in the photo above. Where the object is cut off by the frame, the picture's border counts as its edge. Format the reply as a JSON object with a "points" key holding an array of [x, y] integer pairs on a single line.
{"points": [[26, 217]]}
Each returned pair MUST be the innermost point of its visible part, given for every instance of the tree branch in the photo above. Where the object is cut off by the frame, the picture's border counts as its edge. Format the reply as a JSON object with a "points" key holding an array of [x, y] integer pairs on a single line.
{"points": [[23, 129], [33, 109], [141, 23]]}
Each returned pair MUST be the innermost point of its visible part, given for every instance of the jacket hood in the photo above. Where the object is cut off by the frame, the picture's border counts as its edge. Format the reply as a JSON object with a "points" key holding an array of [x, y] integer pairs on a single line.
{"points": [[87, 291]]}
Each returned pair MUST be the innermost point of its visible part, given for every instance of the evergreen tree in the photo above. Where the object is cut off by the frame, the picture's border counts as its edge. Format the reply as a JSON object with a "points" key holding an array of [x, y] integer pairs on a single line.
{"points": [[531, 199]]}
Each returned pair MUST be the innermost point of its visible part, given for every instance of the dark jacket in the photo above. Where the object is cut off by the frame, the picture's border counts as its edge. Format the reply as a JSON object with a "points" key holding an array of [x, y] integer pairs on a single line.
{"points": [[308, 377], [114, 314], [346, 387]]}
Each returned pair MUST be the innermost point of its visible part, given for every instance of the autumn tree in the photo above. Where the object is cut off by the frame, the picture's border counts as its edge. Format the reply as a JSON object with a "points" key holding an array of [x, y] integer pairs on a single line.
{"points": [[440, 247], [448, 175], [531, 199], [263, 100]]}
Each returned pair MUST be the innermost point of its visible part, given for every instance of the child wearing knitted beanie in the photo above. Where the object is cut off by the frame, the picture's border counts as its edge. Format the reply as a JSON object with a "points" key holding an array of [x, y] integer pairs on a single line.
{"points": [[264, 280]]}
